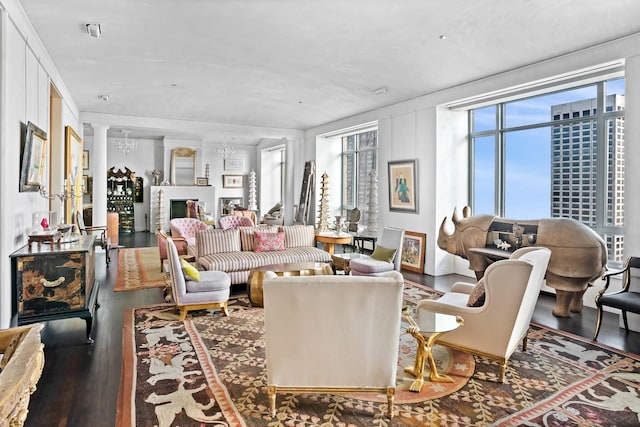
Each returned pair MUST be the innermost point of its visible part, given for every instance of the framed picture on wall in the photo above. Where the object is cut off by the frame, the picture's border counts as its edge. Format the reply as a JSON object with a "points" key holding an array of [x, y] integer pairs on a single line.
{"points": [[232, 181], [233, 165], [85, 159], [73, 172], [33, 158], [403, 183], [412, 255]]}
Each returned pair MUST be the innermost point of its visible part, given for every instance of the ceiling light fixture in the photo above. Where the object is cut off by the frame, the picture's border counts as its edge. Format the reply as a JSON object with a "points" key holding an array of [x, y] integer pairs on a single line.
{"points": [[226, 150], [125, 144], [381, 90], [105, 98], [94, 30], [442, 36]]}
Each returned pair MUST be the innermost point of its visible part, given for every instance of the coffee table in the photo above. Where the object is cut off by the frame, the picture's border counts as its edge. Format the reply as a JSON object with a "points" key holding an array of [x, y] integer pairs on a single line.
{"points": [[256, 277], [431, 327]]}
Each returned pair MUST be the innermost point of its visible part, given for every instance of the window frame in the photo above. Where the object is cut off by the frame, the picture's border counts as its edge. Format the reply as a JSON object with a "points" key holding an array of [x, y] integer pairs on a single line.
{"points": [[602, 117]]}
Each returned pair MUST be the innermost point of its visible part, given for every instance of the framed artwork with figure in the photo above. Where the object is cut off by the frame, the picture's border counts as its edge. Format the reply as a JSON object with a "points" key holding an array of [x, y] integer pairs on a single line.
{"points": [[412, 255], [403, 182], [33, 158]]}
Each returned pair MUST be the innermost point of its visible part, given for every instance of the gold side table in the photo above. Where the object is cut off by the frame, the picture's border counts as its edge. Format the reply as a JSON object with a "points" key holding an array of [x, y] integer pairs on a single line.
{"points": [[431, 327], [329, 240]]}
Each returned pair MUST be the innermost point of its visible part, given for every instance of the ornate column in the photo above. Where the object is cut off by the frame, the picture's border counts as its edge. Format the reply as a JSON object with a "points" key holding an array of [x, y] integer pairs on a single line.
{"points": [[372, 205]]}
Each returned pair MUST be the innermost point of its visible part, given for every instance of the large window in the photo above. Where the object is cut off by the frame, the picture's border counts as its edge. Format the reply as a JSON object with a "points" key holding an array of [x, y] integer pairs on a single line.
{"points": [[554, 155], [359, 157]]}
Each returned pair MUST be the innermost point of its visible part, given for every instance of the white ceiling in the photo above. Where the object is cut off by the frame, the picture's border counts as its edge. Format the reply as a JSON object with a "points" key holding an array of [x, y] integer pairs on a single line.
{"points": [[300, 63]]}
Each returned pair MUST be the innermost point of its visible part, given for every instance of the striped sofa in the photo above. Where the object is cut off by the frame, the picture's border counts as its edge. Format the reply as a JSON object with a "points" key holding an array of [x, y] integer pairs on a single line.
{"points": [[232, 251]]}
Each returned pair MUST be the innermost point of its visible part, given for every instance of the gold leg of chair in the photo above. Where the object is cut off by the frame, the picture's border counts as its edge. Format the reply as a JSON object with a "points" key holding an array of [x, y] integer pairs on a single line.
{"points": [[391, 392], [503, 371], [598, 322], [183, 313], [271, 392], [225, 308]]}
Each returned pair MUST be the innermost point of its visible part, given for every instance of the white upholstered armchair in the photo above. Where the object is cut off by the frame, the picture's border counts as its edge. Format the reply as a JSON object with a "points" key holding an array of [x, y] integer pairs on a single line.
{"points": [[332, 334], [385, 257], [495, 328]]}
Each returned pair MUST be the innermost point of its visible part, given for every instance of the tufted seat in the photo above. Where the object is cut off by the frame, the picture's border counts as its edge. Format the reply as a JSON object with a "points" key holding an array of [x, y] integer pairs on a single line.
{"points": [[234, 221], [187, 228]]}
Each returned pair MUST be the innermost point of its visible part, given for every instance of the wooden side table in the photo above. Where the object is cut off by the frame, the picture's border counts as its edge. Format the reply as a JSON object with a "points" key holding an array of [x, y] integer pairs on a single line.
{"points": [[329, 240]]}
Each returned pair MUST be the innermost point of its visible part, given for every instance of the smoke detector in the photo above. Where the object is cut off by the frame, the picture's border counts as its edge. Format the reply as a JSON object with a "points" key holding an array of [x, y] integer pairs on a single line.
{"points": [[94, 30]]}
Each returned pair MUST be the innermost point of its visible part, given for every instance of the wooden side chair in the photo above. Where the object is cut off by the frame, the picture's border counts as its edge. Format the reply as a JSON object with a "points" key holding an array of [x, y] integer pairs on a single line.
{"points": [[625, 299], [101, 232]]}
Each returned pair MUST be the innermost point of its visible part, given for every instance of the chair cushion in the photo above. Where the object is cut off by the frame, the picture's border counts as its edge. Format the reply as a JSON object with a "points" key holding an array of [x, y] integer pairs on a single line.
{"points": [[383, 254], [367, 265], [265, 242], [190, 272], [209, 281], [476, 297], [629, 301]]}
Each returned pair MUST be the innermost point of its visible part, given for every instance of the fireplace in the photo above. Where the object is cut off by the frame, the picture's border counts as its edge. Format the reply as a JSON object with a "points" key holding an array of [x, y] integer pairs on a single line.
{"points": [[178, 208], [170, 201]]}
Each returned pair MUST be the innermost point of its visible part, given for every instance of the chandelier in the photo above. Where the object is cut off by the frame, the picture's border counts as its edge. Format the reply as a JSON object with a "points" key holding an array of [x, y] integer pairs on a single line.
{"points": [[125, 144], [226, 150]]}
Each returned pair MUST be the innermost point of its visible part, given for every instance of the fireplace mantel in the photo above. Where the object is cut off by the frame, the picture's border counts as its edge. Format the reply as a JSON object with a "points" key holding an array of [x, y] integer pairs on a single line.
{"points": [[204, 194]]}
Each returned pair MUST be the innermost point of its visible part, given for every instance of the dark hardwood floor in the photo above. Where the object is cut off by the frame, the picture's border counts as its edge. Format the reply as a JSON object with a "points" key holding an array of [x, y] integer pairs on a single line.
{"points": [[79, 383]]}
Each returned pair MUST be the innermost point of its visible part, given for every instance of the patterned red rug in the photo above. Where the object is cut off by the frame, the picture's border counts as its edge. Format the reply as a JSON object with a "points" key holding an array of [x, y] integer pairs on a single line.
{"points": [[210, 370], [139, 268]]}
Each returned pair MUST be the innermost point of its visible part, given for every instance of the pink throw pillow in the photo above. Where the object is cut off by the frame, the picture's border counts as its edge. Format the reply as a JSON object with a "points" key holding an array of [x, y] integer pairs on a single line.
{"points": [[265, 242]]}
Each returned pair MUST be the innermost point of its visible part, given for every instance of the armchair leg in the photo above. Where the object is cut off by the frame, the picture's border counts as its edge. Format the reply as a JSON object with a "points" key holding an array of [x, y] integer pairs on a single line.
{"points": [[598, 322], [391, 392], [624, 318], [503, 370], [271, 392]]}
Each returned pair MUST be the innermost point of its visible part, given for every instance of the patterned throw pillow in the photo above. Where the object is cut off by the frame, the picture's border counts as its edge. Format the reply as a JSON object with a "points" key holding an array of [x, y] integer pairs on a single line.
{"points": [[246, 235], [265, 242], [190, 272], [476, 297]]}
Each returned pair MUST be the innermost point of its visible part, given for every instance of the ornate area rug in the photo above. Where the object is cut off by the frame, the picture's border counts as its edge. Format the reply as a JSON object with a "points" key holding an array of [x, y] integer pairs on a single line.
{"points": [[210, 371], [139, 268]]}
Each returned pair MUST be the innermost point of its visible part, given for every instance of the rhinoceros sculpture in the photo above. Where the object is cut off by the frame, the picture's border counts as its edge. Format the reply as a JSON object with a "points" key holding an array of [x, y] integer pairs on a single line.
{"points": [[578, 254]]}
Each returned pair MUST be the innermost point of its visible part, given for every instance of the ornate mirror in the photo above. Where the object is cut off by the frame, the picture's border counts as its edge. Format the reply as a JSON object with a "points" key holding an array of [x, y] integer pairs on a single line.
{"points": [[183, 166]]}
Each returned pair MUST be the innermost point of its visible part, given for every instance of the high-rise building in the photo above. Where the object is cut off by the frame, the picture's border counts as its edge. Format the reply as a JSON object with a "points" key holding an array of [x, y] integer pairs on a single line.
{"points": [[574, 164]]}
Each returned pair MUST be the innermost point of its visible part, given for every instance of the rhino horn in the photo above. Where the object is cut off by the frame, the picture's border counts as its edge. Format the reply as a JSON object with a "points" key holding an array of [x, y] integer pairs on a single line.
{"points": [[466, 212], [454, 216], [443, 231]]}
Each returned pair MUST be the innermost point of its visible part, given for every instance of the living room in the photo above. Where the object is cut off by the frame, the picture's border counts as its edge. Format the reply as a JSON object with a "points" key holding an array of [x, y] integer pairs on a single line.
{"points": [[430, 126]]}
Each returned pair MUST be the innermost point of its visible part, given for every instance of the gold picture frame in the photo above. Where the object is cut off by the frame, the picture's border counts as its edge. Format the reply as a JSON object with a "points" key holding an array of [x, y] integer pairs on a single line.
{"points": [[34, 155], [412, 251], [73, 173]]}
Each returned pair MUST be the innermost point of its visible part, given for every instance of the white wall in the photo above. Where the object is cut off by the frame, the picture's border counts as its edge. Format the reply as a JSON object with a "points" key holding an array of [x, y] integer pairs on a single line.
{"points": [[25, 75]]}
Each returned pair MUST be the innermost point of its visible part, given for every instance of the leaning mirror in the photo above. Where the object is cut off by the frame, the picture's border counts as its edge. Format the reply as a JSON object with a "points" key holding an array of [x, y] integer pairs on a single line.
{"points": [[183, 166]]}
